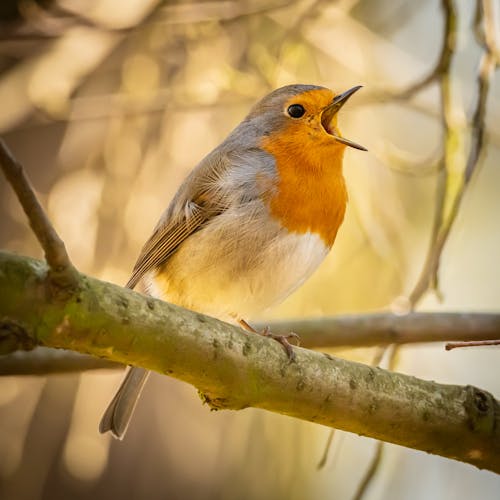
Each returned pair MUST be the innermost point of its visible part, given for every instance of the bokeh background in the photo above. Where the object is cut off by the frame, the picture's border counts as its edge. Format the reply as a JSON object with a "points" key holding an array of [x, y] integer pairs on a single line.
{"points": [[109, 104]]}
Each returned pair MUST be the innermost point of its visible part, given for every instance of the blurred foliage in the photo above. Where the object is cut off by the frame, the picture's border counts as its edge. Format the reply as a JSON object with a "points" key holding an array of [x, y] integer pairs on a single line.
{"points": [[11, 11]]}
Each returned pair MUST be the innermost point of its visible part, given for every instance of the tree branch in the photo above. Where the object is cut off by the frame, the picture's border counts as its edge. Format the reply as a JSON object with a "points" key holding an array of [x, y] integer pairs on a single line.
{"points": [[365, 330], [371, 472], [62, 272], [383, 329], [445, 55], [234, 369], [449, 196], [44, 361], [477, 343]]}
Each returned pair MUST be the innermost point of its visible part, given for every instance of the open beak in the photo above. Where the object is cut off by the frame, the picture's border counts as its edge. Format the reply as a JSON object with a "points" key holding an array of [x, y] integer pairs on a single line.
{"points": [[330, 111]]}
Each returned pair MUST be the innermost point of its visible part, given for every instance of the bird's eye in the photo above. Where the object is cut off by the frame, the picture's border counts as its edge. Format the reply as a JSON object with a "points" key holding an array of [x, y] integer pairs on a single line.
{"points": [[296, 110]]}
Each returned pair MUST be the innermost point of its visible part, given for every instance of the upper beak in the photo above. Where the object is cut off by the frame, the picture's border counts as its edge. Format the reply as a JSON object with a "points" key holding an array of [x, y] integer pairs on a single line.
{"points": [[330, 111]]}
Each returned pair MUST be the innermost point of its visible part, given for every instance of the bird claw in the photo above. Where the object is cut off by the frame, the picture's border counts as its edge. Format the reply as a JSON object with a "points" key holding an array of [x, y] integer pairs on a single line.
{"points": [[283, 340]]}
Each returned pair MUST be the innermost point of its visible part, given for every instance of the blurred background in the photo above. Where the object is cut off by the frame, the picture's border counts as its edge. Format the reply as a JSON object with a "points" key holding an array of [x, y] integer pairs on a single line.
{"points": [[109, 104]]}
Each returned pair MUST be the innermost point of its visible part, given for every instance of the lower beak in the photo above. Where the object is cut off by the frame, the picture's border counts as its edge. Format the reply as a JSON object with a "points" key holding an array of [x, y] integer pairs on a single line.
{"points": [[330, 111]]}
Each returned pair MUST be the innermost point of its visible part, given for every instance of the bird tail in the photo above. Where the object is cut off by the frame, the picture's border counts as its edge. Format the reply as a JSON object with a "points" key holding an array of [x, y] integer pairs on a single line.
{"points": [[117, 416]]}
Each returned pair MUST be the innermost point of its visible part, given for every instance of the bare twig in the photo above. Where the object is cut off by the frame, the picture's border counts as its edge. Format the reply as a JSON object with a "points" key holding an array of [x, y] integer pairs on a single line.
{"points": [[444, 222], [445, 56], [428, 276], [485, 28], [444, 219], [326, 451], [43, 361], [371, 472], [486, 36], [383, 329], [478, 343], [62, 271], [407, 165]]}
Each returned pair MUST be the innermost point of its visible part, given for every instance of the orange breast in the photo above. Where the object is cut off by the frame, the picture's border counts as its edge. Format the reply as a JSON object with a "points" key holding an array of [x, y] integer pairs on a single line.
{"points": [[311, 193]]}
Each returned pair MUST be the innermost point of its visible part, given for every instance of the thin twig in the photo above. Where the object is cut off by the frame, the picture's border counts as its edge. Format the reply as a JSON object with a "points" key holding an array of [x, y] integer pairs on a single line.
{"points": [[443, 222], [382, 329], [62, 271], [427, 276], [406, 165], [478, 343], [326, 451], [486, 37], [485, 29], [445, 55], [371, 472], [44, 361]]}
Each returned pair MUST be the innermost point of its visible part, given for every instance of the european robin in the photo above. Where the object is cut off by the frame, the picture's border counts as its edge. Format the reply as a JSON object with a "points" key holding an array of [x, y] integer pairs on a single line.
{"points": [[251, 222]]}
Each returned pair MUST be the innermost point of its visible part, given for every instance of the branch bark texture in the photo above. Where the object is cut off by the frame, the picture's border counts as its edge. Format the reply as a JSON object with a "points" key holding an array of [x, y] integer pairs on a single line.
{"points": [[234, 369]]}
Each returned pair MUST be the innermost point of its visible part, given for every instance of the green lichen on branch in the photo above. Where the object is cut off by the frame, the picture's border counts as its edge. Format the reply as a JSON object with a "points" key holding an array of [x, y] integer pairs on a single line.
{"points": [[234, 369], [13, 337]]}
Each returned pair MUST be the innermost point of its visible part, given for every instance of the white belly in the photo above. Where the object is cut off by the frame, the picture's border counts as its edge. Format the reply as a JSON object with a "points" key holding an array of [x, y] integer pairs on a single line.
{"points": [[235, 267]]}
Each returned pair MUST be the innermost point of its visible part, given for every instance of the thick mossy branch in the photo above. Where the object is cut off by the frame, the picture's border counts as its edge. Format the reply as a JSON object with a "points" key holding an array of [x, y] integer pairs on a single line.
{"points": [[235, 369]]}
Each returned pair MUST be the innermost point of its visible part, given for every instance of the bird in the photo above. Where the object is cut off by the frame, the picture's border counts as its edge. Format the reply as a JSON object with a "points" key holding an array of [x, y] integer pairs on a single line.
{"points": [[250, 223]]}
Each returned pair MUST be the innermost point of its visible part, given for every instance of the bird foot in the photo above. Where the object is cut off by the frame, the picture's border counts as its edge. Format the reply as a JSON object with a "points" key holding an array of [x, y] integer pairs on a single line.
{"points": [[282, 339]]}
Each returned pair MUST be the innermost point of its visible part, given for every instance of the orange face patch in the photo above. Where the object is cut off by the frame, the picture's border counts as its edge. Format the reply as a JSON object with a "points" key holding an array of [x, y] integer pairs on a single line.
{"points": [[311, 193]]}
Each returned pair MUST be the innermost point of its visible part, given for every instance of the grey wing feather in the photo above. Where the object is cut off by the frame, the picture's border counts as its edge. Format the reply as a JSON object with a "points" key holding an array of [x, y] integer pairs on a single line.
{"points": [[164, 241], [200, 197]]}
